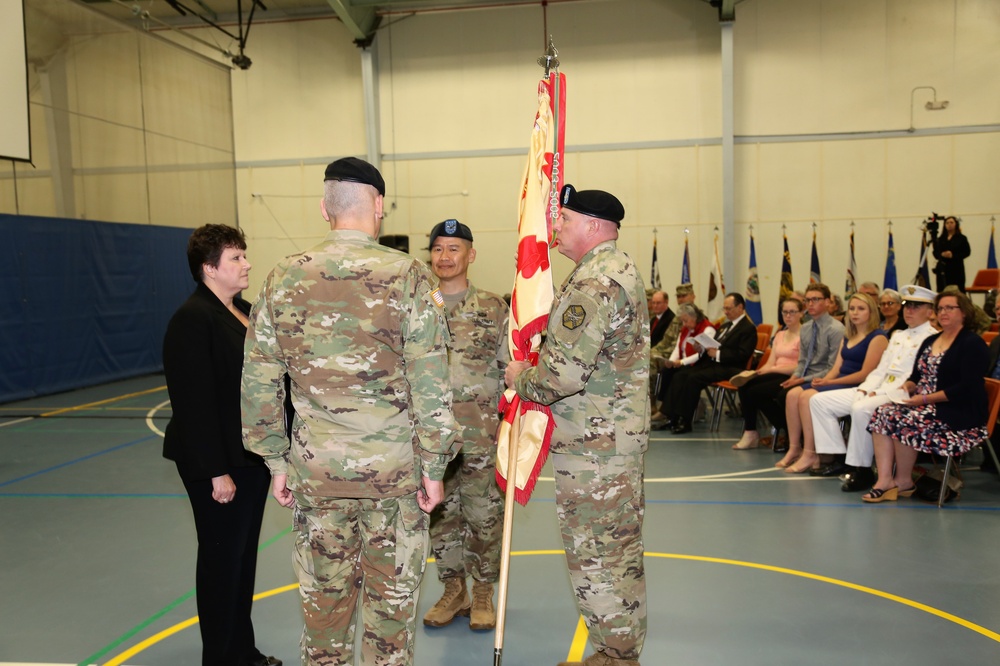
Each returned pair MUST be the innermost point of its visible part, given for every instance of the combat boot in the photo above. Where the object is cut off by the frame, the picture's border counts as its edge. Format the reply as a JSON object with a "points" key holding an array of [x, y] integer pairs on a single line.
{"points": [[484, 616], [600, 659], [454, 601]]}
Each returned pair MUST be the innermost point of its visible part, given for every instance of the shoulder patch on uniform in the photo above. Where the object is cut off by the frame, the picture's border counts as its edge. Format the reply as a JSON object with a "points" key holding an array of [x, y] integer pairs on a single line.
{"points": [[574, 316], [437, 298]]}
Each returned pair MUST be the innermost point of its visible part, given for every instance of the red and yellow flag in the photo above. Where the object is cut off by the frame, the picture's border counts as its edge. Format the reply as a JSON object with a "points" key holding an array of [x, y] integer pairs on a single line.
{"points": [[531, 297]]}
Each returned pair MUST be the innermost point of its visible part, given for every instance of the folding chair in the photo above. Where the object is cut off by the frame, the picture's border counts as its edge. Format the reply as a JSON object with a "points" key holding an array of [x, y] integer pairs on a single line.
{"points": [[723, 391], [993, 396]]}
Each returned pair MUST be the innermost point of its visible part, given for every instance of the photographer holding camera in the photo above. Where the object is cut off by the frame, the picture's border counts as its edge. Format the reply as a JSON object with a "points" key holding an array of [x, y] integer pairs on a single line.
{"points": [[950, 249]]}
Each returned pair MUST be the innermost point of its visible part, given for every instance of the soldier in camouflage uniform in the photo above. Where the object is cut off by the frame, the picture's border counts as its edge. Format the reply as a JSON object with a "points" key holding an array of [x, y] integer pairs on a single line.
{"points": [[360, 332], [661, 352], [467, 528], [593, 370]]}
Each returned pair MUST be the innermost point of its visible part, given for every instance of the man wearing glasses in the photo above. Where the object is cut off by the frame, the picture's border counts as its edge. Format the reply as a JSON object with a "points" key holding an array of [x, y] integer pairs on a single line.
{"points": [[860, 402], [818, 346]]}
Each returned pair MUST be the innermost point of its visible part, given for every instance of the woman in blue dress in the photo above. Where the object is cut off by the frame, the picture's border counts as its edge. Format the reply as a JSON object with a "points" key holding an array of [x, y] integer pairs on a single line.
{"points": [[860, 352]]}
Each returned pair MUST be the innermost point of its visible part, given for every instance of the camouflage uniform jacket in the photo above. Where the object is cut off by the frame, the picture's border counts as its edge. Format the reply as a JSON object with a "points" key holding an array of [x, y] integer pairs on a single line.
{"points": [[666, 345], [354, 325], [593, 367], [477, 358]]}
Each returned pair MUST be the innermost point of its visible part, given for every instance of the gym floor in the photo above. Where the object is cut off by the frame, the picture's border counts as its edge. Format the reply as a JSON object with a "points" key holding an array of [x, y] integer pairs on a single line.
{"points": [[745, 564]]}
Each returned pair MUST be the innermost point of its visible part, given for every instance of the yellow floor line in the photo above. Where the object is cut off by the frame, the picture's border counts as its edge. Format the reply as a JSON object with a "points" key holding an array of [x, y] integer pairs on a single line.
{"points": [[102, 402]]}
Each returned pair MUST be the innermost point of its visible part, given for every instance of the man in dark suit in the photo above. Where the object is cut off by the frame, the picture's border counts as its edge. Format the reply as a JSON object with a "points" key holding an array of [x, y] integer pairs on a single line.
{"points": [[662, 316], [737, 340]]}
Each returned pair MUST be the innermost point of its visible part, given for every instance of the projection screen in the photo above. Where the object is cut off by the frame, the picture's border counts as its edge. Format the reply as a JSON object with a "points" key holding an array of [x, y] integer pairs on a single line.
{"points": [[15, 139]]}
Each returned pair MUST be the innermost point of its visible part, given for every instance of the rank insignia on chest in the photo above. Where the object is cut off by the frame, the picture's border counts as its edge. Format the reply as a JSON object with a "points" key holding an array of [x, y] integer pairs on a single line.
{"points": [[574, 316]]}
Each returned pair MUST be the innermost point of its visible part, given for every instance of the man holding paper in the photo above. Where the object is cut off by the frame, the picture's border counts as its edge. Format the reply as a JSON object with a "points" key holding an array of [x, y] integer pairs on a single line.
{"points": [[725, 355]]}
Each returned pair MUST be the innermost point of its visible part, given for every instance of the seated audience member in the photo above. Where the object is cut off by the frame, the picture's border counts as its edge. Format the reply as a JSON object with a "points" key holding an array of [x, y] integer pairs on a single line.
{"points": [[989, 465], [870, 288], [686, 352], [981, 320], [765, 383], [819, 341], [660, 317], [737, 340], [895, 366], [860, 351], [661, 351], [890, 305], [836, 308], [947, 409]]}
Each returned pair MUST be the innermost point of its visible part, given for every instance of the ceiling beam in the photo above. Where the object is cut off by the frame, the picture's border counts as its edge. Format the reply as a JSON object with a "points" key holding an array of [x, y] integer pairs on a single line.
{"points": [[360, 22]]}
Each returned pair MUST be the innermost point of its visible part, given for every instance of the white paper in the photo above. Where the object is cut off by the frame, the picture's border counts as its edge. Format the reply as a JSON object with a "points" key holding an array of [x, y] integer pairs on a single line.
{"points": [[706, 341]]}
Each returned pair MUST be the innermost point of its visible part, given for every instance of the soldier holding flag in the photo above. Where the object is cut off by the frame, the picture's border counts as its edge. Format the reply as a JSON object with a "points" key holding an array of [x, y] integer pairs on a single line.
{"points": [[593, 372]]}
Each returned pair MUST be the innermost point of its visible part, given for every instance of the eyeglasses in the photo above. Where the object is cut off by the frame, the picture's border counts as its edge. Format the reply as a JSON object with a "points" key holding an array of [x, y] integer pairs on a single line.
{"points": [[790, 312], [887, 303], [815, 299], [947, 308]]}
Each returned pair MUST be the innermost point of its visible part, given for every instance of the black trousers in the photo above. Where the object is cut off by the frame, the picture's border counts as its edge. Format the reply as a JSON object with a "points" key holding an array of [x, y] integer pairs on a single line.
{"points": [[757, 393], [227, 563], [687, 385]]}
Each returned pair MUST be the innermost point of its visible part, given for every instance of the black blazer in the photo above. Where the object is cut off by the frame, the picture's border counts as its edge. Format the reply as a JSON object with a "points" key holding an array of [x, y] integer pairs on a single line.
{"points": [[203, 363], [951, 271], [657, 332], [960, 376], [738, 344]]}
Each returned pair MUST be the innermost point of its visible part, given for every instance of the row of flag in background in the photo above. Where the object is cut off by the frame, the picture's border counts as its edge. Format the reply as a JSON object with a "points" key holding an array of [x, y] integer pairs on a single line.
{"points": [[717, 289]]}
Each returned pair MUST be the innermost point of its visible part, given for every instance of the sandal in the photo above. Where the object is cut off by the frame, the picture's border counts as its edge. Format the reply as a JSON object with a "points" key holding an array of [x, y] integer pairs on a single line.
{"points": [[908, 492], [876, 495]]}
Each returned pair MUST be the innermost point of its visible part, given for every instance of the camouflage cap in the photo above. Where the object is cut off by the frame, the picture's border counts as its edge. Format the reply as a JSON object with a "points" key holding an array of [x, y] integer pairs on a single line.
{"points": [[353, 170], [451, 229], [685, 289], [595, 203]]}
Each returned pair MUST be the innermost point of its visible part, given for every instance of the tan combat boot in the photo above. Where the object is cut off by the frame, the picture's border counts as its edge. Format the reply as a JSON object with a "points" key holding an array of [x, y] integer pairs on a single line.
{"points": [[454, 601], [484, 616], [600, 659]]}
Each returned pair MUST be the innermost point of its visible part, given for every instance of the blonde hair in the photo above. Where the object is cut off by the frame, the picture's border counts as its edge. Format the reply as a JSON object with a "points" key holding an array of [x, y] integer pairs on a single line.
{"points": [[873, 320]]}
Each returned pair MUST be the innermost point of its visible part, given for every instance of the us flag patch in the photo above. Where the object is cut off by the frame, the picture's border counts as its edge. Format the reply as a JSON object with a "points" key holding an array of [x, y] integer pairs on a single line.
{"points": [[437, 298]]}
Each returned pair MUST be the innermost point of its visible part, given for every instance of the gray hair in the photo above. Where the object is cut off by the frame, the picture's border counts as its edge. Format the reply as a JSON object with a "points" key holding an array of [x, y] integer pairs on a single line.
{"points": [[345, 197], [688, 309], [892, 294]]}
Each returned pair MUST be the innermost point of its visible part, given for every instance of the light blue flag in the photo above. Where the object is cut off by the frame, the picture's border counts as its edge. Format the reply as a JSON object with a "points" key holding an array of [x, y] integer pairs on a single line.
{"points": [[991, 255]]}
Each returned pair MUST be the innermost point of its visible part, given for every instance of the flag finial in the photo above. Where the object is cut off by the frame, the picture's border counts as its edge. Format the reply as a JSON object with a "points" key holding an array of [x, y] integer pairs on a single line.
{"points": [[551, 58]]}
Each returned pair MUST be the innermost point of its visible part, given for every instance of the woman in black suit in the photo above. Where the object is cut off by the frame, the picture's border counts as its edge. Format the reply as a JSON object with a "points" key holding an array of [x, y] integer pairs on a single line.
{"points": [[227, 486], [950, 249]]}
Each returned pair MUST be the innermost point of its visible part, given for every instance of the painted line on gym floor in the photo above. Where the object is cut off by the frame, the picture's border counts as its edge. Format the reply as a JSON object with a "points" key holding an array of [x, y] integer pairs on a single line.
{"points": [[76, 460], [120, 659], [77, 408], [151, 414], [10, 423], [580, 635]]}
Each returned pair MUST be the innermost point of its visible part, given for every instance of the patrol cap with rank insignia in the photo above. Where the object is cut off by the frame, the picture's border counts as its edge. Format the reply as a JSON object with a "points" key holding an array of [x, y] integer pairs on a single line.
{"points": [[353, 170], [450, 229], [595, 203]]}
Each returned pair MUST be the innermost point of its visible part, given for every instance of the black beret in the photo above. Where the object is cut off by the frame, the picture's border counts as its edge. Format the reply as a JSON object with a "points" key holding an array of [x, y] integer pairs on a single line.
{"points": [[595, 203], [451, 229], [354, 170]]}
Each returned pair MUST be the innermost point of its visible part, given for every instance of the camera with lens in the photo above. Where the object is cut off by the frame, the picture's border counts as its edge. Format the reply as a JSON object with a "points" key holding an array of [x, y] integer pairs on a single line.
{"points": [[933, 225]]}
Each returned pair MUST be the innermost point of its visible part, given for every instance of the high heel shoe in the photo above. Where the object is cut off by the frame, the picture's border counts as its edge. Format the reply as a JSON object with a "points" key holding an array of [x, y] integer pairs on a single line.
{"points": [[908, 492], [749, 440], [876, 495]]}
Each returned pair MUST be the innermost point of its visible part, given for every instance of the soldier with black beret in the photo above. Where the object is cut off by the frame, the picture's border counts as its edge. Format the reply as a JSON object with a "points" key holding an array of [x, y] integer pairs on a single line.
{"points": [[593, 371]]}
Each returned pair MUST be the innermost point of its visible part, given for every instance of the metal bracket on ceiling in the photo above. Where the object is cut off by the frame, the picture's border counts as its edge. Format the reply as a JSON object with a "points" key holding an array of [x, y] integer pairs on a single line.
{"points": [[241, 60], [361, 22]]}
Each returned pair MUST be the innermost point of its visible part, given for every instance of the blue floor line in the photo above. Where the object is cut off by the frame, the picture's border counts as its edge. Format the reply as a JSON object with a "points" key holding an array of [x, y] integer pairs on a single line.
{"points": [[81, 459]]}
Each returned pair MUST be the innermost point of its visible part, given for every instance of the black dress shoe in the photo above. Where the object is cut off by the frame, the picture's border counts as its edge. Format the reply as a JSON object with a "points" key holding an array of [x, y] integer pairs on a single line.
{"points": [[835, 468], [680, 428], [858, 479], [780, 447], [264, 661]]}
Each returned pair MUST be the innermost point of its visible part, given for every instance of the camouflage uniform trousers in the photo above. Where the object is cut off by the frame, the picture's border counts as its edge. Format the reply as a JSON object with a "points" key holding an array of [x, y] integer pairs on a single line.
{"points": [[600, 504], [375, 548], [467, 527]]}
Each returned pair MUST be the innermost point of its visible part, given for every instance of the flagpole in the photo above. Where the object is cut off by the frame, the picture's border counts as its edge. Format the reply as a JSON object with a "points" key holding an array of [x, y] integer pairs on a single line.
{"points": [[508, 531]]}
